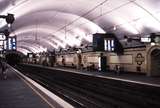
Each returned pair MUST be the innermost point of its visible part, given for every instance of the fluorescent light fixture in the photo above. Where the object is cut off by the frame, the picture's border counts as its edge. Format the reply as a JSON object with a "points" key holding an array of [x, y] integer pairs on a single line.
{"points": [[105, 45], [153, 43], [114, 28], [9, 25], [99, 63]]}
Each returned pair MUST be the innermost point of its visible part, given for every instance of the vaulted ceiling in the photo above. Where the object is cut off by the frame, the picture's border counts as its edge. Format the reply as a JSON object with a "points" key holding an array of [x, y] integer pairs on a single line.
{"points": [[42, 25]]}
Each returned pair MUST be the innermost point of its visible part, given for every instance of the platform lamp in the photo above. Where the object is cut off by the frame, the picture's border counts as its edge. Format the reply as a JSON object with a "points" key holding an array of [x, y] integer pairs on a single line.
{"points": [[9, 18]]}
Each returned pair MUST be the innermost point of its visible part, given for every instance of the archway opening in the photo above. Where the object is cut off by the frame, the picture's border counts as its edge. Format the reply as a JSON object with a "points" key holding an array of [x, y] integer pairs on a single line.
{"points": [[155, 62]]}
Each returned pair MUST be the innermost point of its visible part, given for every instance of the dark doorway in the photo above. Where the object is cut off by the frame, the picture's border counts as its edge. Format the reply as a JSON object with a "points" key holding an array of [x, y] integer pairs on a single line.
{"points": [[102, 63], [155, 62], [79, 61]]}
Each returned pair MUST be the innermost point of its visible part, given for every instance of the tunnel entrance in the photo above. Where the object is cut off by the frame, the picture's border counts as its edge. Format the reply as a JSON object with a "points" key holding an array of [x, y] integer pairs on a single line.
{"points": [[155, 62], [13, 58]]}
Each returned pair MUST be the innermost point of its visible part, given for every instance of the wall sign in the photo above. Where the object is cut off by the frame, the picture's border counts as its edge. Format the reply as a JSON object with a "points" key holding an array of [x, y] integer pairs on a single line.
{"points": [[139, 59]]}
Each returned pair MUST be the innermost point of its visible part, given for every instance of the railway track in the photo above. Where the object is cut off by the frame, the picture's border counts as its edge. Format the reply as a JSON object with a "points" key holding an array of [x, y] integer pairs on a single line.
{"points": [[64, 90], [92, 92]]}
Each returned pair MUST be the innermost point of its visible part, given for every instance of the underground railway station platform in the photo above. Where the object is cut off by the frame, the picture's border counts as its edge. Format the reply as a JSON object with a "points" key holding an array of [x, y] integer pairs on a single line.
{"points": [[17, 91], [85, 53], [79, 85]]}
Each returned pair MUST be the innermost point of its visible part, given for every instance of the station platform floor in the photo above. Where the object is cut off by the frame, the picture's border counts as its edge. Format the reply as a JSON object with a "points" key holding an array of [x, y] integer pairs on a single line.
{"points": [[128, 77], [15, 92]]}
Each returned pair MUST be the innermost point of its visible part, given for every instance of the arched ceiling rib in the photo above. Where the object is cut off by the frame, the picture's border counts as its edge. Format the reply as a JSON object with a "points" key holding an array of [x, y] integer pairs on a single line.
{"points": [[43, 32], [27, 48], [59, 21], [35, 48], [61, 37], [69, 22], [25, 51], [37, 36], [45, 43]]}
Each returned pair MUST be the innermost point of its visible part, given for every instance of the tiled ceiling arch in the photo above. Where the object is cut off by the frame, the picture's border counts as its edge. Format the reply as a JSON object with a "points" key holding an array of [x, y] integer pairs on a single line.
{"points": [[68, 22], [44, 43], [35, 47]]}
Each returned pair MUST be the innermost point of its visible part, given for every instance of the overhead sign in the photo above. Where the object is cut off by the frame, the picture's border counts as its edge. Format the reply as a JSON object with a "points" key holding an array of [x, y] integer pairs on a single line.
{"points": [[146, 39]]}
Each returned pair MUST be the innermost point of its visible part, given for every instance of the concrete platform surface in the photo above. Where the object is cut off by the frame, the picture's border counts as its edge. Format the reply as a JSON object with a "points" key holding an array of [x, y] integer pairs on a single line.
{"points": [[15, 93]]}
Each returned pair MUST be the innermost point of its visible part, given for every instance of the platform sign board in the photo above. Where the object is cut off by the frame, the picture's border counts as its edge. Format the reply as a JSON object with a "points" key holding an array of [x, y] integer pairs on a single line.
{"points": [[2, 42], [9, 43], [1, 45], [12, 43], [146, 40], [109, 44], [5, 44]]}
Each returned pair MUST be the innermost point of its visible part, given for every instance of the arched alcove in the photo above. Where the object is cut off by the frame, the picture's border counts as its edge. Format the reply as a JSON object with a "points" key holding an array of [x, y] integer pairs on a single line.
{"points": [[153, 61]]}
